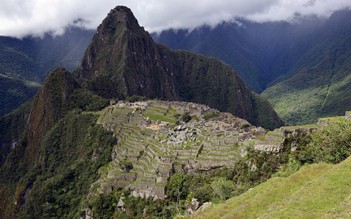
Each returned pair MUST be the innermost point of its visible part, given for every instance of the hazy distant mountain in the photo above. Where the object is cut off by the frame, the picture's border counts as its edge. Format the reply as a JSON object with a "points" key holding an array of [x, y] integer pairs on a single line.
{"points": [[31, 59], [260, 52], [319, 85], [266, 53]]}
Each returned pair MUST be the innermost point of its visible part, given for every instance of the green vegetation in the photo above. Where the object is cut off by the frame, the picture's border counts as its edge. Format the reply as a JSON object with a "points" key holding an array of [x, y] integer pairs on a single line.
{"points": [[331, 143], [135, 98], [14, 92], [303, 81], [24, 63], [87, 101], [104, 206], [159, 117], [319, 85], [315, 191], [263, 113], [160, 113], [76, 150], [72, 152]]}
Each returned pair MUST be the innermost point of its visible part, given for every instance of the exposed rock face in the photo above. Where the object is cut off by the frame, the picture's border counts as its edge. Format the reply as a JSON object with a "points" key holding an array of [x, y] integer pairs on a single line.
{"points": [[193, 206], [49, 105], [123, 60]]}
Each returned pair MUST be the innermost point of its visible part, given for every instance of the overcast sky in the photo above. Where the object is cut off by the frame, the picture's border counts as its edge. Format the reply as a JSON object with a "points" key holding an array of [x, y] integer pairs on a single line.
{"points": [[35, 17]]}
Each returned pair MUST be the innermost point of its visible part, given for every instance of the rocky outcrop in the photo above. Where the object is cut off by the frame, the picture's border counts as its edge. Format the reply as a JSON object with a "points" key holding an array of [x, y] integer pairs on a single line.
{"points": [[123, 60]]}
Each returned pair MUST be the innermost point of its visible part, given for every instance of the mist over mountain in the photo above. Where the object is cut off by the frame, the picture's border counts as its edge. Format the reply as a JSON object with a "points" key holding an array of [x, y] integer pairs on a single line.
{"points": [[260, 52], [32, 16], [32, 58]]}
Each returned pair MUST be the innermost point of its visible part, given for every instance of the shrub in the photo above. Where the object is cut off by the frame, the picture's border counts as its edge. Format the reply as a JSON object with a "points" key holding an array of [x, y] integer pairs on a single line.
{"points": [[289, 168], [126, 165], [186, 117], [211, 115], [136, 98], [331, 143], [222, 187]]}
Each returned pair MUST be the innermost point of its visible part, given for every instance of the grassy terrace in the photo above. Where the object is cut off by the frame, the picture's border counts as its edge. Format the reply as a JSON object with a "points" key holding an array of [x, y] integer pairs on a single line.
{"points": [[315, 191], [159, 113], [332, 119], [308, 126]]}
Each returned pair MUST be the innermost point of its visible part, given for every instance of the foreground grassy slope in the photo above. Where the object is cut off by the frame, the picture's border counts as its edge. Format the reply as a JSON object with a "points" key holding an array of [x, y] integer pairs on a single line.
{"points": [[316, 191]]}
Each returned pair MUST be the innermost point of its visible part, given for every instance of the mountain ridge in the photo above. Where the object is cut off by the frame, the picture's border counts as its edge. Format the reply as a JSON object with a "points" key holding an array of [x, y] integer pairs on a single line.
{"points": [[286, 61]]}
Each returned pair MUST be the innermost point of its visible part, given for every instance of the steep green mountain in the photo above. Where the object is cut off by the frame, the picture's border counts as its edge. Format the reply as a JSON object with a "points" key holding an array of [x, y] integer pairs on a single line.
{"points": [[123, 61], [309, 57], [259, 52], [320, 84], [48, 144], [25, 63]]}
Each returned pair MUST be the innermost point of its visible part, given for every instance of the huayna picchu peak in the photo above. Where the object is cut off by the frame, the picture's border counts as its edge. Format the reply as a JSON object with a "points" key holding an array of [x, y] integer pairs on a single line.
{"points": [[123, 60]]}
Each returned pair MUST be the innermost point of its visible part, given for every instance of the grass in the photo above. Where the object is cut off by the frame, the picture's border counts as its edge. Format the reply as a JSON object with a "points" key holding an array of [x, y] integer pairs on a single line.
{"points": [[308, 126], [332, 119], [261, 137], [159, 117], [159, 113], [316, 191], [271, 133]]}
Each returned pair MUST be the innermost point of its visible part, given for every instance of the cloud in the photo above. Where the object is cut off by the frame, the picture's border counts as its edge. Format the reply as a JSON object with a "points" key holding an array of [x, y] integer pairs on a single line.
{"points": [[36, 17]]}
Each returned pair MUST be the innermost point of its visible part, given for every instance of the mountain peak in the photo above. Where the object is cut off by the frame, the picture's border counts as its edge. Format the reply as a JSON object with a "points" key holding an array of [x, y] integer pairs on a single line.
{"points": [[118, 17], [123, 60]]}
